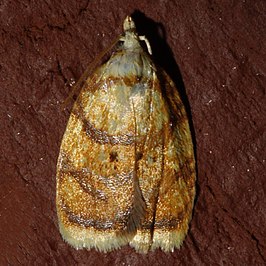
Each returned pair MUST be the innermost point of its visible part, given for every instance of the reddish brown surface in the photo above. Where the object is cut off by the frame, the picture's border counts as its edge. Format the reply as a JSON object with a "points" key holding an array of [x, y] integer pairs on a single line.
{"points": [[219, 47]]}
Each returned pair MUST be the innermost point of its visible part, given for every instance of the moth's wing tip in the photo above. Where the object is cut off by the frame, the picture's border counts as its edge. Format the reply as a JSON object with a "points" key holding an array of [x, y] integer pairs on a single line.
{"points": [[168, 241], [141, 241], [82, 238]]}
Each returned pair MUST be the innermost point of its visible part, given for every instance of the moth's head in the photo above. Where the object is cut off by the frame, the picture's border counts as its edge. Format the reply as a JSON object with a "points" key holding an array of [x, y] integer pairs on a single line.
{"points": [[129, 24], [130, 36]]}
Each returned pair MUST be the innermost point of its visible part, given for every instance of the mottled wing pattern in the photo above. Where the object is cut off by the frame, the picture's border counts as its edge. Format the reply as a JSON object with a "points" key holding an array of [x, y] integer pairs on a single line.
{"points": [[166, 171], [99, 202], [126, 169], [177, 190]]}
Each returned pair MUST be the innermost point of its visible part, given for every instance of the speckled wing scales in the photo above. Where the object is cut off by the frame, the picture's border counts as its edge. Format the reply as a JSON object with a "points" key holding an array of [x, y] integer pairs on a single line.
{"points": [[98, 199], [166, 170], [177, 187], [126, 171]]}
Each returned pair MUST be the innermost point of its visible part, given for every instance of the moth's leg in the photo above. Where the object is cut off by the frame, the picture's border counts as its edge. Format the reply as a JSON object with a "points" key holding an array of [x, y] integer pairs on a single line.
{"points": [[143, 38]]}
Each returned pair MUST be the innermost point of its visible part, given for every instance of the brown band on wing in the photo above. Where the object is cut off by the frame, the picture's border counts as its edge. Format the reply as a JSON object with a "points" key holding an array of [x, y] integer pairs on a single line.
{"points": [[104, 138], [117, 180], [86, 222], [83, 176], [118, 224], [167, 223], [100, 136]]}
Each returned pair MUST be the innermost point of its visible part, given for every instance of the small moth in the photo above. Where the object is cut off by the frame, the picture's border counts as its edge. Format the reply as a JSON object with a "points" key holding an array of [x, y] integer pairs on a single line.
{"points": [[126, 168]]}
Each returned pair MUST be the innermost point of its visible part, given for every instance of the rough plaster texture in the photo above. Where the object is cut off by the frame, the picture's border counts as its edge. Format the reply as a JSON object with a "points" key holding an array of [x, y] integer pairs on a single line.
{"points": [[214, 51]]}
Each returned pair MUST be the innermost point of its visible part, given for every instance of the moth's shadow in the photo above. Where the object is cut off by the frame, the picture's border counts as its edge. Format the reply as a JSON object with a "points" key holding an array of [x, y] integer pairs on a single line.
{"points": [[163, 56], [161, 51]]}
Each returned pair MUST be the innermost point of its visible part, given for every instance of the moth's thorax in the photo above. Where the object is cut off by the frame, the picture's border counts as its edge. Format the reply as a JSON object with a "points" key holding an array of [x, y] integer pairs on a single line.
{"points": [[131, 41], [130, 62]]}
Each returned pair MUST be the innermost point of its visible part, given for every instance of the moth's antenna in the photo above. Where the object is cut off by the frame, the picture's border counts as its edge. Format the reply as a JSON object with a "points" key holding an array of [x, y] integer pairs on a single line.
{"points": [[88, 71]]}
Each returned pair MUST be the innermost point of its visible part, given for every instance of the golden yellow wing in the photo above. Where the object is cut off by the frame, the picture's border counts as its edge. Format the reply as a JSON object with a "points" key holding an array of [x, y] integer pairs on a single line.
{"points": [[126, 171], [98, 201], [166, 171]]}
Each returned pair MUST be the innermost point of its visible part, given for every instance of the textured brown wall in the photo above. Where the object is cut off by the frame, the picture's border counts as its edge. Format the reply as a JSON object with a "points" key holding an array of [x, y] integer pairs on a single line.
{"points": [[214, 51]]}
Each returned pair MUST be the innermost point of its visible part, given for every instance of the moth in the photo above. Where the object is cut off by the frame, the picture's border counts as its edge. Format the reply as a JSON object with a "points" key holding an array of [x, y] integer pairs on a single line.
{"points": [[126, 168]]}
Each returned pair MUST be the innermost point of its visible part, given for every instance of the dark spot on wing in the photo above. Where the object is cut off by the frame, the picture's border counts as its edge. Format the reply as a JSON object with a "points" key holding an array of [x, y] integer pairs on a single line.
{"points": [[113, 156]]}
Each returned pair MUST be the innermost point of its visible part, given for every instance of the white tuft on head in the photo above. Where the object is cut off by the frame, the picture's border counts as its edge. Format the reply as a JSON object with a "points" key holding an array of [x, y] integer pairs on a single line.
{"points": [[131, 38], [129, 24]]}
